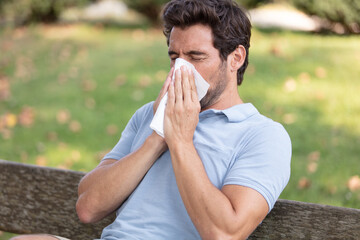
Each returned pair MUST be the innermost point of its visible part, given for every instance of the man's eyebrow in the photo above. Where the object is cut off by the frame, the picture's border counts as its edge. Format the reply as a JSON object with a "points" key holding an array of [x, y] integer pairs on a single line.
{"points": [[194, 52], [189, 53], [170, 52]]}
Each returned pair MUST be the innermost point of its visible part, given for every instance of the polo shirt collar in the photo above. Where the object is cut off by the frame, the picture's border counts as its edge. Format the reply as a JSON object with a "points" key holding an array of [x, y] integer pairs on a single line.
{"points": [[235, 113]]}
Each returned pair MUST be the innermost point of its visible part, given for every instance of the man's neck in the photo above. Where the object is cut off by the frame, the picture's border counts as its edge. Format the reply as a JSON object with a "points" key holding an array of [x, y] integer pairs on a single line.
{"points": [[226, 100]]}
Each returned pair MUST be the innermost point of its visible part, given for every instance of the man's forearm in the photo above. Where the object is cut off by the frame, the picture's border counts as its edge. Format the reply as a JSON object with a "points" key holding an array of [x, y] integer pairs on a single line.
{"points": [[106, 187], [230, 213], [210, 210]]}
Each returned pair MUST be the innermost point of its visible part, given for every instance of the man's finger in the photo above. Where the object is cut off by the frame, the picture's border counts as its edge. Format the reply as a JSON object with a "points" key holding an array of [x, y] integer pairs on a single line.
{"points": [[163, 89], [171, 97], [194, 96], [185, 84], [177, 87], [167, 83]]}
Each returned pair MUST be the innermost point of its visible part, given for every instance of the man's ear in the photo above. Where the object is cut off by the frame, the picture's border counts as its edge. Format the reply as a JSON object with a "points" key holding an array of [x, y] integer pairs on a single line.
{"points": [[237, 58]]}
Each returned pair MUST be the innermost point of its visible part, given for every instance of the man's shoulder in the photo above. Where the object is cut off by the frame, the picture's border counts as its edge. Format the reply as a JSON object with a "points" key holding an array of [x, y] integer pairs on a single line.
{"points": [[258, 128], [262, 124], [142, 115], [145, 110]]}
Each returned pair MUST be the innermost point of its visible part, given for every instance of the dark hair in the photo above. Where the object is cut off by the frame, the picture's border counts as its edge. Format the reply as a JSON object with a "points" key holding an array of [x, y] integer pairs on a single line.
{"points": [[229, 23]]}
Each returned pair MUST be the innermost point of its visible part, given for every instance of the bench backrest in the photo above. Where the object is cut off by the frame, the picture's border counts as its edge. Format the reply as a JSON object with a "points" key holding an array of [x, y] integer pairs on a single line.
{"points": [[42, 200]]}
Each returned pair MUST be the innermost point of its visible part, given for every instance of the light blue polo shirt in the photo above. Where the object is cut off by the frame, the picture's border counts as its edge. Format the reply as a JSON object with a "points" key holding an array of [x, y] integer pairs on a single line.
{"points": [[236, 145]]}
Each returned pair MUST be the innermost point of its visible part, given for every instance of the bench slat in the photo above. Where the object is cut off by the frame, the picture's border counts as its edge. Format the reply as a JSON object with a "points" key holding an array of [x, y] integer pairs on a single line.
{"points": [[42, 200], [300, 220]]}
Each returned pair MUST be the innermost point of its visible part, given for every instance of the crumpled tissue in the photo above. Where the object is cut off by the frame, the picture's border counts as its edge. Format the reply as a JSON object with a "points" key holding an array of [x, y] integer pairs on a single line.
{"points": [[157, 124]]}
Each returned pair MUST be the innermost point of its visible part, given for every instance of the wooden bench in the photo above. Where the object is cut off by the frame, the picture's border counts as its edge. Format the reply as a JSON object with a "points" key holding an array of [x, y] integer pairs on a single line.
{"points": [[42, 200]]}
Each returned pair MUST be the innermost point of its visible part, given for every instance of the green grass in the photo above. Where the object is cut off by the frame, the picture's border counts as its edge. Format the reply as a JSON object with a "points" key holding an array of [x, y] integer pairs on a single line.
{"points": [[97, 77]]}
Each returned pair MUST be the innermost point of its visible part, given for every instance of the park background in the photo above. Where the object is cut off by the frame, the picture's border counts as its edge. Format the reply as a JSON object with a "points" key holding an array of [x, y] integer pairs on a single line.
{"points": [[72, 73]]}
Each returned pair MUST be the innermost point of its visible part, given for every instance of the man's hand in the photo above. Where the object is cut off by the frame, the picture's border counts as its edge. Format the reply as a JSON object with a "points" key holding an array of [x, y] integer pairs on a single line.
{"points": [[163, 89], [182, 109]]}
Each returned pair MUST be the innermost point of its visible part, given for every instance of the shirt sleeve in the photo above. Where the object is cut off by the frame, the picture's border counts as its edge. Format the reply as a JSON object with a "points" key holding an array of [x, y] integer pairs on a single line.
{"points": [[123, 147], [263, 164]]}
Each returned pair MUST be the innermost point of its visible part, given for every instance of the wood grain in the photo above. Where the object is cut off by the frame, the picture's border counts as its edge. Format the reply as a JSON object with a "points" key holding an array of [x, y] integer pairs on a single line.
{"points": [[42, 200], [300, 220]]}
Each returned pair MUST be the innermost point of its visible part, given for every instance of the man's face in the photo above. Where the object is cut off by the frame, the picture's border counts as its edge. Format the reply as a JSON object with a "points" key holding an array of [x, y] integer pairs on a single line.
{"points": [[195, 45]]}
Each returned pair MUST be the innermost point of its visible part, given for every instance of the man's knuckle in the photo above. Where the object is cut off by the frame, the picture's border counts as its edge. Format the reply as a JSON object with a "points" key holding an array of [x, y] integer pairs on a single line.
{"points": [[188, 108], [178, 110]]}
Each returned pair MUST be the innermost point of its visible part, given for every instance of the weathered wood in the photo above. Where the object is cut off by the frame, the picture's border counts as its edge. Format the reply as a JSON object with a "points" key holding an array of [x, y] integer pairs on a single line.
{"points": [[42, 200], [300, 220]]}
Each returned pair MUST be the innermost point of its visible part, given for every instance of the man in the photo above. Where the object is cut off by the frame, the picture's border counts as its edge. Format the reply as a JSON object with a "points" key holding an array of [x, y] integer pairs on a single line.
{"points": [[220, 166]]}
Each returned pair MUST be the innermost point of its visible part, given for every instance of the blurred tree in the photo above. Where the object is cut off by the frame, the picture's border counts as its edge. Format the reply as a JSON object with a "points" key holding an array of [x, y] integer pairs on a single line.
{"points": [[345, 12], [22, 12], [152, 8], [252, 3], [149, 8]]}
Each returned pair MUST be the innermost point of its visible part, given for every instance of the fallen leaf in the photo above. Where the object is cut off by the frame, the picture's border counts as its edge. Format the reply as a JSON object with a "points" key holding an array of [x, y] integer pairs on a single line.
{"points": [[276, 50], [314, 156], [63, 116], [26, 116], [41, 161], [354, 183], [111, 129], [119, 80], [304, 183], [319, 95], [332, 190], [62, 146], [6, 133], [5, 93], [312, 167], [304, 77], [75, 155], [250, 69], [290, 85], [24, 68], [289, 118], [88, 85], [145, 80], [68, 163], [10, 120], [62, 166], [75, 126], [320, 72]]}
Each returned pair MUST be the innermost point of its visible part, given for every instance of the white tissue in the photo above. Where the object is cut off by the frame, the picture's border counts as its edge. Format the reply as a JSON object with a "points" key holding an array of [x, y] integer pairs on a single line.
{"points": [[157, 124]]}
